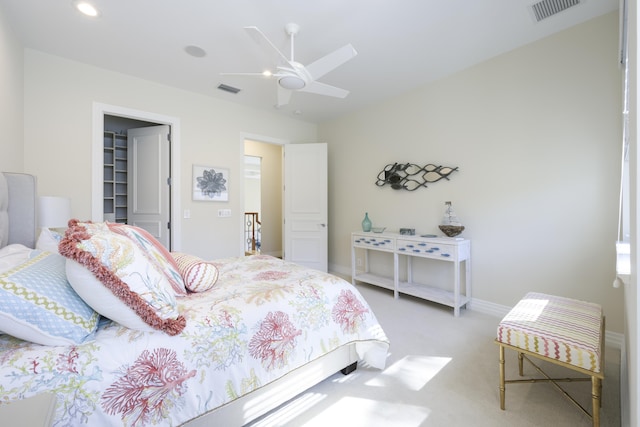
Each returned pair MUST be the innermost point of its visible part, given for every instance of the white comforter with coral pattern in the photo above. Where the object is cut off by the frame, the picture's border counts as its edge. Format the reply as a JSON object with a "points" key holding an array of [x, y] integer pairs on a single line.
{"points": [[262, 319]]}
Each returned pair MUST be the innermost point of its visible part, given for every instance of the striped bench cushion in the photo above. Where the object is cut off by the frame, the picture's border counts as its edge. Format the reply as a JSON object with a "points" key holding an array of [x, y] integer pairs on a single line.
{"points": [[559, 328]]}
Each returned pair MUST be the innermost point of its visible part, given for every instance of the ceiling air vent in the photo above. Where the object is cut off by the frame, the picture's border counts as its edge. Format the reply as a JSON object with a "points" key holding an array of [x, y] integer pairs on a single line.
{"points": [[228, 88], [547, 8]]}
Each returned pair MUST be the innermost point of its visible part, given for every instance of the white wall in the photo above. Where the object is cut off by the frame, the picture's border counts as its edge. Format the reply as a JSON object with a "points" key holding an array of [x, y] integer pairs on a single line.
{"points": [[59, 95], [11, 99], [631, 406], [536, 134]]}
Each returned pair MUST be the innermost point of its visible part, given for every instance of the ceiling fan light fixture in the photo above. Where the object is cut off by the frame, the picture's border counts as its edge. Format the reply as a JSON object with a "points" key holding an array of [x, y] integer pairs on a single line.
{"points": [[292, 82]]}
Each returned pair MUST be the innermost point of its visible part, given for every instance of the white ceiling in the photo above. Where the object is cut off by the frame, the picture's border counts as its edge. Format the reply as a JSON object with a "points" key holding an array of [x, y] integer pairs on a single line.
{"points": [[401, 44]]}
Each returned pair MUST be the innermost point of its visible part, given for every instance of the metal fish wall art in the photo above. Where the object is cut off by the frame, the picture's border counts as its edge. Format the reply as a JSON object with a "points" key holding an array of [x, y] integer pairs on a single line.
{"points": [[410, 177]]}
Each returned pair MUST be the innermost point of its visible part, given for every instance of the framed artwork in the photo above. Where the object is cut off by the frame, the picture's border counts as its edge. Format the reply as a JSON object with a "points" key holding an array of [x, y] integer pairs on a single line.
{"points": [[210, 184]]}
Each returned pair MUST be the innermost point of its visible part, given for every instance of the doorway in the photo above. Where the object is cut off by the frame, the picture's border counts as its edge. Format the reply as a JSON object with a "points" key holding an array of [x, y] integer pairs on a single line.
{"points": [[122, 118], [252, 205], [263, 198], [116, 177], [136, 169]]}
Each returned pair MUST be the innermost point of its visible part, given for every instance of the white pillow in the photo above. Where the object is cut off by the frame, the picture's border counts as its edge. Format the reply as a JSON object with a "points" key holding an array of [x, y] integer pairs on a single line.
{"points": [[13, 255], [114, 276], [48, 240], [37, 303], [100, 297]]}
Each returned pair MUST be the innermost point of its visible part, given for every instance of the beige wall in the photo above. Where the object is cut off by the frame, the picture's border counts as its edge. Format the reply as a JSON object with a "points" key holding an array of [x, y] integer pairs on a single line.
{"points": [[11, 99], [536, 134], [271, 191], [59, 95]]}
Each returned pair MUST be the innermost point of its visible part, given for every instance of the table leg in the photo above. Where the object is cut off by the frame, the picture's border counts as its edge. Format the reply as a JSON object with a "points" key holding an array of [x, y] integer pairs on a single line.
{"points": [[456, 289], [501, 387], [595, 400], [396, 276], [520, 364]]}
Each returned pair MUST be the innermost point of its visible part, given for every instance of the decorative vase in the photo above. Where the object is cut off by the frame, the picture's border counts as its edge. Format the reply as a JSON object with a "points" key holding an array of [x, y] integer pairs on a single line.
{"points": [[451, 225], [366, 222]]}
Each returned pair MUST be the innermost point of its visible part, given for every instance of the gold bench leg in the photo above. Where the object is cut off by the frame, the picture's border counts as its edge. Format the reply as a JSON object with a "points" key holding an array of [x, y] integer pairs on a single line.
{"points": [[596, 400], [520, 364], [501, 377]]}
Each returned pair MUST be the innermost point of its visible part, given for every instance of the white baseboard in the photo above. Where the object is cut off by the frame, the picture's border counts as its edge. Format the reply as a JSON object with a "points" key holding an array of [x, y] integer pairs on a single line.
{"points": [[277, 254], [488, 307]]}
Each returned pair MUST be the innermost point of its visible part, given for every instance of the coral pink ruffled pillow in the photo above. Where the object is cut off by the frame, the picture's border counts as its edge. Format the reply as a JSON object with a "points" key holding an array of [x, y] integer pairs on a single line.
{"points": [[198, 275]]}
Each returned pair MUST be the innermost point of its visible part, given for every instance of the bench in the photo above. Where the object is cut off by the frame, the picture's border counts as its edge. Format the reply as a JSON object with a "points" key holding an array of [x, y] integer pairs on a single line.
{"points": [[563, 331]]}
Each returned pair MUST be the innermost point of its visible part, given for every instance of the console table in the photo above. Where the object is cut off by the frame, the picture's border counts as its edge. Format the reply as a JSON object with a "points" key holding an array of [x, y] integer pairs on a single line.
{"points": [[451, 250]]}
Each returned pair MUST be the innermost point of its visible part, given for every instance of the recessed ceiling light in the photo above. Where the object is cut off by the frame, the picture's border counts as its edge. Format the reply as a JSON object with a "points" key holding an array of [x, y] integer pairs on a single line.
{"points": [[86, 8], [195, 51]]}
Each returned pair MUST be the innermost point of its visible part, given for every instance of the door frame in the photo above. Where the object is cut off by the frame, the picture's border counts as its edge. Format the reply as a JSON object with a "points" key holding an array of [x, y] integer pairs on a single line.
{"points": [[266, 140], [97, 160]]}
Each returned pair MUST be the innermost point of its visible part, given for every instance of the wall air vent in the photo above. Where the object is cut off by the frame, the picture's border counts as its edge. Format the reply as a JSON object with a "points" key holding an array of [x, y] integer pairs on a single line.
{"points": [[228, 88], [547, 8]]}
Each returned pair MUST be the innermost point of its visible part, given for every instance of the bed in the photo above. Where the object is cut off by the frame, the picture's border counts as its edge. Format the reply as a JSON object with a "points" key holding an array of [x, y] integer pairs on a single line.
{"points": [[264, 332]]}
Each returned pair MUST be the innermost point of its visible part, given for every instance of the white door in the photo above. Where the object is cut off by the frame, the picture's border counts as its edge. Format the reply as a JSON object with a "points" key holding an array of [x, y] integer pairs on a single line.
{"points": [[148, 189], [305, 205]]}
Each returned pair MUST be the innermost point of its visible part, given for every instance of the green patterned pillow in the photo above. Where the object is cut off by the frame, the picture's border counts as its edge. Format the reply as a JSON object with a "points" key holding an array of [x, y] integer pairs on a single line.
{"points": [[37, 303]]}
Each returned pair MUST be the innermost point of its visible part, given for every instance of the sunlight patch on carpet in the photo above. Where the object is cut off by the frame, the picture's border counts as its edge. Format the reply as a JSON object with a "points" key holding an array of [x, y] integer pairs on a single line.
{"points": [[413, 372], [291, 410], [360, 412]]}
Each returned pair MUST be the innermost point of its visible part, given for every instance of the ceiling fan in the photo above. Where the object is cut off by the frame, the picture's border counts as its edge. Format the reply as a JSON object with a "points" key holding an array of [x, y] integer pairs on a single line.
{"points": [[293, 76]]}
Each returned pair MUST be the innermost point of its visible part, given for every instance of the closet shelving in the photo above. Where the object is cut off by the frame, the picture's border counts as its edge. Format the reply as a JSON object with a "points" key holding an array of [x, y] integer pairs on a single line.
{"points": [[115, 177]]}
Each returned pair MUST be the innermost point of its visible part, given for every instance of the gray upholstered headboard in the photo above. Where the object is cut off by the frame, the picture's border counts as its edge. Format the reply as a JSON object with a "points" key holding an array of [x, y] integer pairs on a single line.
{"points": [[17, 209]]}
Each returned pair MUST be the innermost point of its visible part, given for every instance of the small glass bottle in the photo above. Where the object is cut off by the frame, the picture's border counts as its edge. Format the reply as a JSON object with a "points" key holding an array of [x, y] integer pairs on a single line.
{"points": [[366, 222], [450, 217]]}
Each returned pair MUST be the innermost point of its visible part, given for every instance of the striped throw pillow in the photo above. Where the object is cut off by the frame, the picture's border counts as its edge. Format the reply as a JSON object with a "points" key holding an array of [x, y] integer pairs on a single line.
{"points": [[198, 275]]}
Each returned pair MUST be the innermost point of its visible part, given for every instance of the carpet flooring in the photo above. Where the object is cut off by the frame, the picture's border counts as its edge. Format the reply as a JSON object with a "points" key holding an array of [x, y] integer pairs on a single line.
{"points": [[443, 371]]}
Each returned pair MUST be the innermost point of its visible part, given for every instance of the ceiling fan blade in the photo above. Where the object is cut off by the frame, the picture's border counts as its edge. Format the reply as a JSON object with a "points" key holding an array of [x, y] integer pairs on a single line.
{"points": [[331, 61], [271, 49], [324, 89], [284, 95], [246, 74]]}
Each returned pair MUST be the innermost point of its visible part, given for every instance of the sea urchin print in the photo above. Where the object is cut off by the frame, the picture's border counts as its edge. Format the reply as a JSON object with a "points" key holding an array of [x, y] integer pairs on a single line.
{"points": [[211, 183]]}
